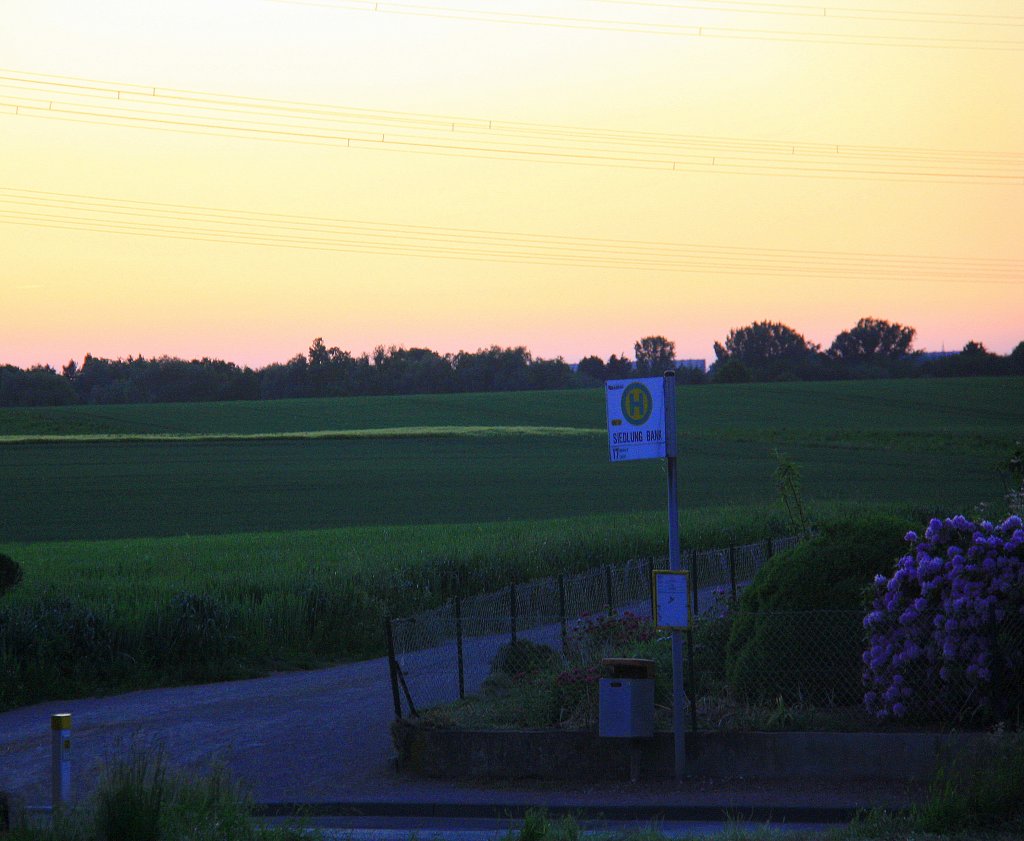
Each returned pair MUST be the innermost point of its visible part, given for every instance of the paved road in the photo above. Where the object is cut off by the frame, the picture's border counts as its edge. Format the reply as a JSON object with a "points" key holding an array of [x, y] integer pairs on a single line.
{"points": [[324, 736], [305, 735], [317, 735]]}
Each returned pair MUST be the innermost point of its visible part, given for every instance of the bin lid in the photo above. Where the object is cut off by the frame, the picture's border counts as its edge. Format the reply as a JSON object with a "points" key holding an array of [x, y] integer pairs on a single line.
{"points": [[629, 667]]}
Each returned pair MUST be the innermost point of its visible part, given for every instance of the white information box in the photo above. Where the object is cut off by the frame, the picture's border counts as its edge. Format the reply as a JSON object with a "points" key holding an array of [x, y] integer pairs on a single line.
{"points": [[671, 599]]}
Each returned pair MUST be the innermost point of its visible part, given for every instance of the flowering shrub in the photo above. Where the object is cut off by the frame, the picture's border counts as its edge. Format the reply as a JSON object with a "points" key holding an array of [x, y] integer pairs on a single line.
{"points": [[596, 635], [946, 630]]}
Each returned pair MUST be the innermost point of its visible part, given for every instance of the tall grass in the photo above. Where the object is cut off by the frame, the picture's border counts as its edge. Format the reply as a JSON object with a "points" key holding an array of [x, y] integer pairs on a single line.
{"points": [[114, 615], [139, 798]]}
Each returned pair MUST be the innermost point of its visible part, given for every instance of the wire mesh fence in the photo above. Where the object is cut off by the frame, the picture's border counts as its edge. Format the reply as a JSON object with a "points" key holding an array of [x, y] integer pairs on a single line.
{"points": [[530, 655], [779, 670], [441, 655]]}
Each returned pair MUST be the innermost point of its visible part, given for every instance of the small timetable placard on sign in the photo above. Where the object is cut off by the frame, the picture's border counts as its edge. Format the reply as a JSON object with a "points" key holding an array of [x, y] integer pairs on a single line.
{"points": [[671, 599], [636, 418]]}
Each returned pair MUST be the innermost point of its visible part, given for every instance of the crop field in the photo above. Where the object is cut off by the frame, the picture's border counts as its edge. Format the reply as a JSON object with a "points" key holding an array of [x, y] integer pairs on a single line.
{"points": [[105, 472], [279, 534]]}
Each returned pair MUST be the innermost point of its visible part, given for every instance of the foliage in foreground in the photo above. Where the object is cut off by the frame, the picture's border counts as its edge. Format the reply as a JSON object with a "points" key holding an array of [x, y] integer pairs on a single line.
{"points": [[139, 798], [111, 616]]}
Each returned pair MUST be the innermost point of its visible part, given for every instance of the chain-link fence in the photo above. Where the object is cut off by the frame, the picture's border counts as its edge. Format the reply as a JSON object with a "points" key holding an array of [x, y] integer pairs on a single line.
{"points": [[781, 670], [445, 654], [530, 656]]}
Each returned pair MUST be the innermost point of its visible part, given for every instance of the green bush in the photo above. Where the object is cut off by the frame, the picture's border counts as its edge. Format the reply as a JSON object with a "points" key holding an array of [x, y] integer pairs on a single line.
{"points": [[10, 573], [797, 634], [524, 658]]}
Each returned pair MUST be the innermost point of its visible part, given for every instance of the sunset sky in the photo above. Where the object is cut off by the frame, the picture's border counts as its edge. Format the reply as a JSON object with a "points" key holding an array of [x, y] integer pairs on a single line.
{"points": [[234, 179]]}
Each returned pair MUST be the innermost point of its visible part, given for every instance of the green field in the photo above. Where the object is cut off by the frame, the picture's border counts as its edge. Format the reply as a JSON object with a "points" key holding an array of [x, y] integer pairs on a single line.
{"points": [[539, 455], [279, 534]]}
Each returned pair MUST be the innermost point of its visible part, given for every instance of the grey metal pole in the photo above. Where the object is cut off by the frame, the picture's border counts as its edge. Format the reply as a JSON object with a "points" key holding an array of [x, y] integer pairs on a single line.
{"points": [[389, 637], [674, 563], [458, 647]]}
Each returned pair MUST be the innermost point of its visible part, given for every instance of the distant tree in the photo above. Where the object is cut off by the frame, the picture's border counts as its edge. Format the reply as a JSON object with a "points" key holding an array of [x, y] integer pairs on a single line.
{"points": [[618, 367], [40, 385], [492, 369], [591, 368], [654, 355], [1017, 359], [329, 370], [973, 361], [280, 381], [768, 350], [414, 371], [873, 338], [731, 371], [549, 373]]}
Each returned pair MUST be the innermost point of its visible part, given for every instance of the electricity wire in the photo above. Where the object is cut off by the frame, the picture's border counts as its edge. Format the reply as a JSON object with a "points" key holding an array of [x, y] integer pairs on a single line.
{"points": [[664, 28], [827, 11], [73, 99], [223, 225]]}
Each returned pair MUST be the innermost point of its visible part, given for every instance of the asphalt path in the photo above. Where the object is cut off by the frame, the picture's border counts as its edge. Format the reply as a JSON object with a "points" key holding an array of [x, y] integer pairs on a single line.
{"points": [[297, 736], [323, 737]]}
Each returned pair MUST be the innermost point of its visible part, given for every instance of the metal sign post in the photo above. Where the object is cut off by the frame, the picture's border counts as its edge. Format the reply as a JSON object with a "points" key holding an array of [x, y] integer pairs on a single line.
{"points": [[675, 564], [642, 424]]}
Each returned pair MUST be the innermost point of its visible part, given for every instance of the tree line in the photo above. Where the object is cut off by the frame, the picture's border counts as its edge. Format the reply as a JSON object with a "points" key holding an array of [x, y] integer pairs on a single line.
{"points": [[760, 352]]}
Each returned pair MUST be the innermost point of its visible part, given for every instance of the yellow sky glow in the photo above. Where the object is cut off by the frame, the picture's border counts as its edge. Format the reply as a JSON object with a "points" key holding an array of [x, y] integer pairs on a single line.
{"points": [[894, 76]]}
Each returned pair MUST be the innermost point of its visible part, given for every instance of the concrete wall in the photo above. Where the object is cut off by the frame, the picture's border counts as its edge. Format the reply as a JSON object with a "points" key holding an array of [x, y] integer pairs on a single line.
{"points": [[582, 755]]}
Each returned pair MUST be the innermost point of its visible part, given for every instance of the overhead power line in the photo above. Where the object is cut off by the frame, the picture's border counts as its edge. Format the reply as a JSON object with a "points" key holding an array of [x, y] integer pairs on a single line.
{"points": [[818, 35], [752, 7], [98, 102], [102, 214]]}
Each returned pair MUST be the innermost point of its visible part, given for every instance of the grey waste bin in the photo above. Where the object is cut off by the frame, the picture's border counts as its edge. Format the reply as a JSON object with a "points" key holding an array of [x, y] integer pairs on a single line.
{"points": [[626, 699]]}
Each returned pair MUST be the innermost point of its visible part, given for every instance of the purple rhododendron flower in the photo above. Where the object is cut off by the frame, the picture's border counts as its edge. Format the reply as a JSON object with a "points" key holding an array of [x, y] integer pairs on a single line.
{"points": [[938, 615]]}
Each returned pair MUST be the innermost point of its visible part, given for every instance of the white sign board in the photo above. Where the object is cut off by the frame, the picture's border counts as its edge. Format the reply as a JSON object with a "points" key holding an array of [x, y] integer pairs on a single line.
{"points": [[636, 418], [671, 599]]}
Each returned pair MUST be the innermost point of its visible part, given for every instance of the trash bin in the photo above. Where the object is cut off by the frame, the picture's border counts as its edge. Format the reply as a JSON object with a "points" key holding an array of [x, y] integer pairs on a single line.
{"points": [[626, 699]]}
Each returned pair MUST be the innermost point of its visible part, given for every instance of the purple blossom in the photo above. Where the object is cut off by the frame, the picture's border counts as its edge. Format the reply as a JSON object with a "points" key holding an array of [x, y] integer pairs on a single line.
{"points": [[936, 613]]}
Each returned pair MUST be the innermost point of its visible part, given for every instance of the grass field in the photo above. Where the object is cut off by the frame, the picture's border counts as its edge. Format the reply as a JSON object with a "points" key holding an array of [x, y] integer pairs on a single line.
{"points": [[485, 457], [279, 534]]}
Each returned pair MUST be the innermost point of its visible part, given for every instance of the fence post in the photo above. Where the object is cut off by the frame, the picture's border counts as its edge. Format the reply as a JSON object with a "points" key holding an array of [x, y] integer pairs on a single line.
{"points": [[609, 598], [693, 583], [1001, 698], [458, 647], [561, 607], [393, 667], [768, 549], [513, 609], [690, 680], [732, 571]]}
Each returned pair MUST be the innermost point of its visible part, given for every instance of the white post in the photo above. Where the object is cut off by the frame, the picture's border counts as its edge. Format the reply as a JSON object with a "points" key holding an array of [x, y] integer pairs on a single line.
{"points": [[60, 766], [674, 563]]}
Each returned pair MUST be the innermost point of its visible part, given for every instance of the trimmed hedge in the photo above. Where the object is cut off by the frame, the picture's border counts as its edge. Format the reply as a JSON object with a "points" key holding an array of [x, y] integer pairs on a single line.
{"points": [[831, 572]]}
